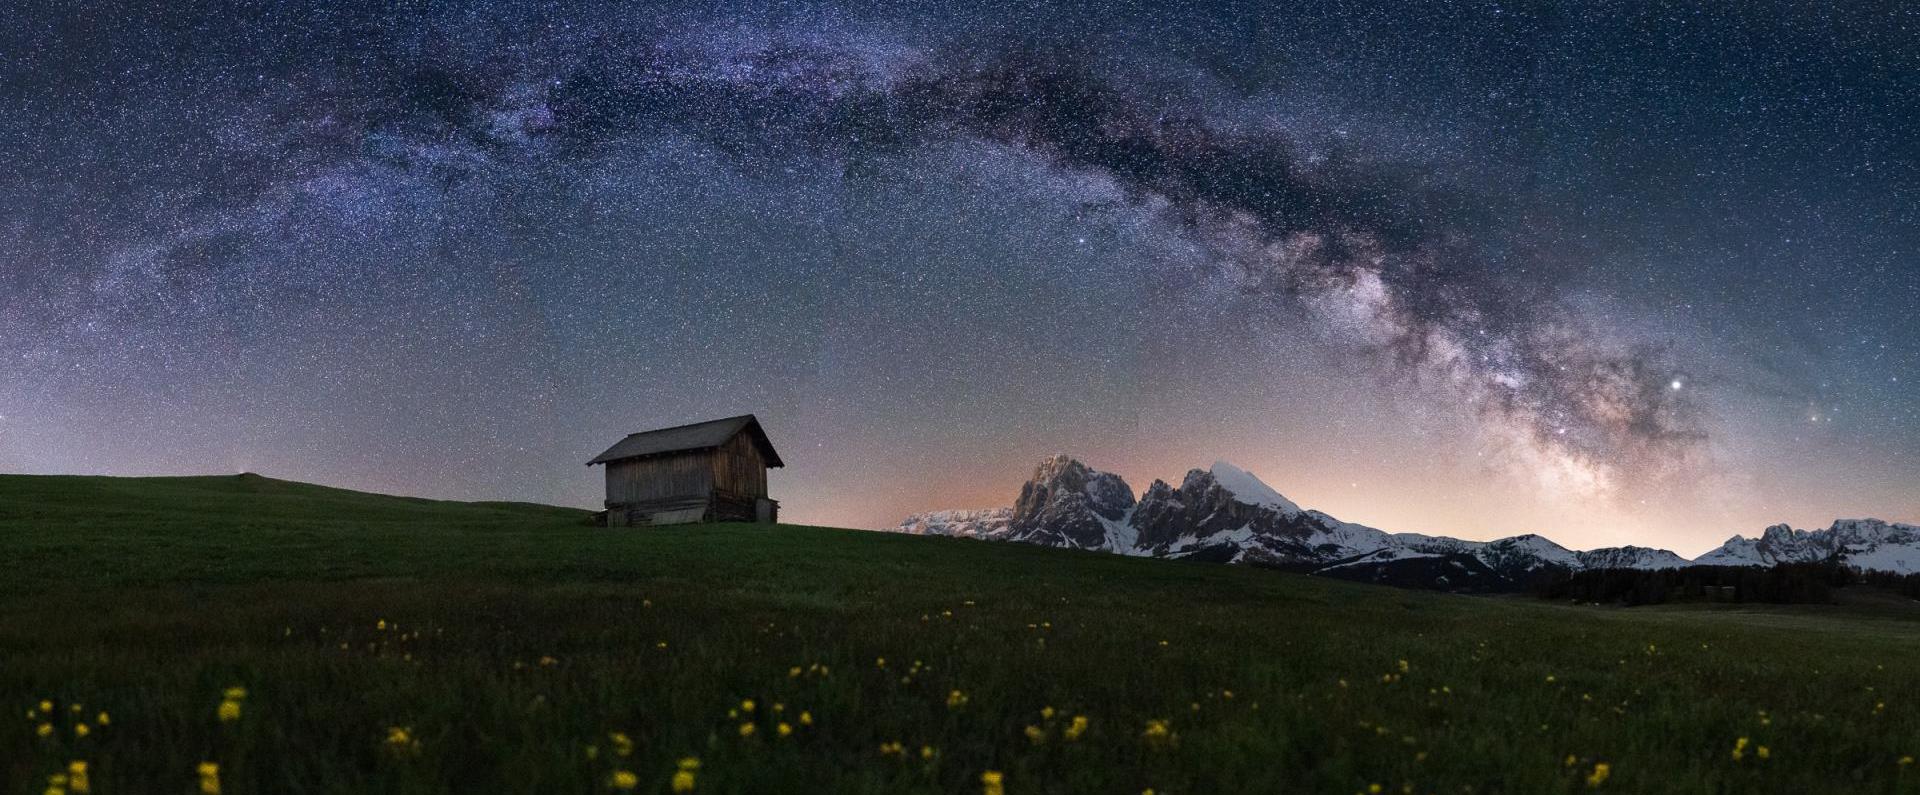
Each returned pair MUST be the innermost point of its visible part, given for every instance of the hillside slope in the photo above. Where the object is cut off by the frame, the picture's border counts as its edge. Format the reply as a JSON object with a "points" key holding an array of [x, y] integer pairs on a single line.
{"points": [[393, 645]]}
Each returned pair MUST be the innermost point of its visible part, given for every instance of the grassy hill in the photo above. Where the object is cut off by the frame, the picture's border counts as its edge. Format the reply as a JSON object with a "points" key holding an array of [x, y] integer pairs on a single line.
{"points": [[387, 644]]}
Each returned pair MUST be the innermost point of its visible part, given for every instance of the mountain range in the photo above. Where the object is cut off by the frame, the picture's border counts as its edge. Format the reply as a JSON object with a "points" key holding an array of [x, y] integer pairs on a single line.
{"points": [[1226, 514]]}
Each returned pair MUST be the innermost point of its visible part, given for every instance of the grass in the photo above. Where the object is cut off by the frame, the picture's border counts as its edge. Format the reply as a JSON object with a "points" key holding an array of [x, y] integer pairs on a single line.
{"points": [[517, 643]]}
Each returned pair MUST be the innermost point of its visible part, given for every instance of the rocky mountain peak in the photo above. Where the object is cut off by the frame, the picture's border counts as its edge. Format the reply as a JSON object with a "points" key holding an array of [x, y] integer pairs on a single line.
{"points": [[1068, 503]]}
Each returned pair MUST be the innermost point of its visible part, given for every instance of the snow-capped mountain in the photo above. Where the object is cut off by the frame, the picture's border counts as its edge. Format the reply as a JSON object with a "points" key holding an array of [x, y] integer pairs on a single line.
{"points": [[993, 524], [1629, 558], [1868, 544], [1227, 514]]}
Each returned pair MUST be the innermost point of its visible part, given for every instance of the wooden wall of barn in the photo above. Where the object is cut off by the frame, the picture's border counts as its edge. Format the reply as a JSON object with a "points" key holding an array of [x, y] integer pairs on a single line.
{"points": [[740, 468], [661, 477]]}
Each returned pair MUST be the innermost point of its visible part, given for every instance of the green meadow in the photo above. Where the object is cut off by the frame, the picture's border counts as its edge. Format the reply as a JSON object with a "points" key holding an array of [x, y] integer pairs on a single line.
{"points": [[246, 635]]}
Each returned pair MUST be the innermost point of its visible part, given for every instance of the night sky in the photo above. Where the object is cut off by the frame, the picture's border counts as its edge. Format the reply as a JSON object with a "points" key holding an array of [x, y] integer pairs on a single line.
{"points": [[1615, 272]]}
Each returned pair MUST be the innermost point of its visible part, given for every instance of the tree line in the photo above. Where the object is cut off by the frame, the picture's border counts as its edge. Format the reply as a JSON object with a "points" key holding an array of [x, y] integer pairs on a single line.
{"points": [[1787, 583]]}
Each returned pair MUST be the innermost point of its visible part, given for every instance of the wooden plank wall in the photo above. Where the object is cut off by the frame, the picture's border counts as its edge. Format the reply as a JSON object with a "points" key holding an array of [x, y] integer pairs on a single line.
{"points": [[739, 468], [661, 477]]}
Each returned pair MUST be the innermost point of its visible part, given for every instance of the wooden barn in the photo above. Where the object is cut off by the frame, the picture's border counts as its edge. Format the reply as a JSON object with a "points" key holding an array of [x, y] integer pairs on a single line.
{"points": [[714, 471]]}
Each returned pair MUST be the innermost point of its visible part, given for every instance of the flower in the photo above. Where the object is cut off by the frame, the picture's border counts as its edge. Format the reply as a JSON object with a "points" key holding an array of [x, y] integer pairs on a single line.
{"points": [[81, 730], [1599, 775], [746, 729], [400, 740], [956, 700], [683, 780], [229, 711], [1158, 732], [990, 783], [891, 749], [102, 718], [784, 728], [1046, 713], [623, 780], [622, 744], [77, 780], [235, 693], [46, 706], [1036, 734], [1403, 666], [1739, 749], [927, 752], [43, 730], [746, 705], [806, 718], [209, 778], [1075, 728], [1763, 752]]}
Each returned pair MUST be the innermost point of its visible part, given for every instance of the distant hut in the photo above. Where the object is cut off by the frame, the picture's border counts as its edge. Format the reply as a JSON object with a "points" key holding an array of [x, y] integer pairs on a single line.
{"points": [[714, 471]]}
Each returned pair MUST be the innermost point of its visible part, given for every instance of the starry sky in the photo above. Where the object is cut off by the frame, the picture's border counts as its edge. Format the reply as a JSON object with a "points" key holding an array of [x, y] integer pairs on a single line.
{"points": [[1615, 272]]}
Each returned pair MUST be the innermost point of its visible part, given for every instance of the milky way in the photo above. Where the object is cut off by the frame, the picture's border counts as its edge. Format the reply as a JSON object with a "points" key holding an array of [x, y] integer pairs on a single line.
{"points": [[1589, 251]]}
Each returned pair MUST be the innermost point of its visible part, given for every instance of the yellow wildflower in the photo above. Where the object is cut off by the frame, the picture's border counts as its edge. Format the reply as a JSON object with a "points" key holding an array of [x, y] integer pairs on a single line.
{"points": [[784, 728], [1036, 734], [400, 740], [77, 780], [81, 730], [1403, 666], [622, 744], [209, 778], [794, 672], [1739, 749], [1075, 727], [880, 662], [891, 749], [623, 780], [1046, 713], [229, 711], [1905, 760], [683, 780], [235, 693], [1763, 752], [44, 730], [956, 700], [990, 783], [926, 752], [746, 705], [689, 763], [746, 729], [1599, 775], [1158, 732], [102, 718], [46, 706]]}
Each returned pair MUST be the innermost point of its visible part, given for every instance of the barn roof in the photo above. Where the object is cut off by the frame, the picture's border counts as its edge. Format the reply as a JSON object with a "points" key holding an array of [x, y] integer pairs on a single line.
{"points": [[686, 438]]}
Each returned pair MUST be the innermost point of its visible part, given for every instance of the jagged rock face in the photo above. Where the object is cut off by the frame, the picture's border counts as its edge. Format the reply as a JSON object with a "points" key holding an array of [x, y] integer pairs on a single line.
{"points": [[1629, 557], [1202, 509], [1868, 544], [1065, 503]]}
